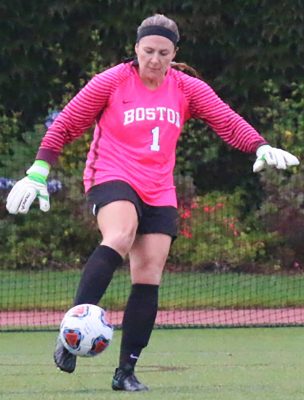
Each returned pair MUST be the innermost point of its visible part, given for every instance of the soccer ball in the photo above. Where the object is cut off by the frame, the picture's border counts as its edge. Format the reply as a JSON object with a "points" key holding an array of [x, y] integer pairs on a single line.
{"points": [[84, 330]]}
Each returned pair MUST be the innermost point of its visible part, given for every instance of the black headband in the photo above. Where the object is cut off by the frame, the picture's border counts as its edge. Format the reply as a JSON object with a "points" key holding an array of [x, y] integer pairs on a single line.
{"points": [[157, 30]]}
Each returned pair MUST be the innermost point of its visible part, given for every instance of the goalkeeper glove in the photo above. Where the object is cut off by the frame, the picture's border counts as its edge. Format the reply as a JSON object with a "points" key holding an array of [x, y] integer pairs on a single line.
{"points": [[277, 158], [27, 189]]}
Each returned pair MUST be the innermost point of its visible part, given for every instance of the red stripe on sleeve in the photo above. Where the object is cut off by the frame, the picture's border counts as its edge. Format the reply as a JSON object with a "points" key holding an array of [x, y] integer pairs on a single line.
{"points": [[81, 112], [205, 104]]}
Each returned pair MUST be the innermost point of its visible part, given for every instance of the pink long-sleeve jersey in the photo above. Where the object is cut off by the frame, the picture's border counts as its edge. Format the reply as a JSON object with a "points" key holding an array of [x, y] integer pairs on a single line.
{"points": [[137, 128]]}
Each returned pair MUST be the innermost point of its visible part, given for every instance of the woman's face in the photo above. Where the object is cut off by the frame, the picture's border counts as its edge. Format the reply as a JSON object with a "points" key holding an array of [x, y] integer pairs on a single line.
{"points": [[154, 54]]}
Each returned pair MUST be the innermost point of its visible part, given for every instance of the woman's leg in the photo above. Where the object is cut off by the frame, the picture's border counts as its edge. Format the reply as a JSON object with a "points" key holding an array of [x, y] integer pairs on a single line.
{"points": [[147, 260], [117, 223]]}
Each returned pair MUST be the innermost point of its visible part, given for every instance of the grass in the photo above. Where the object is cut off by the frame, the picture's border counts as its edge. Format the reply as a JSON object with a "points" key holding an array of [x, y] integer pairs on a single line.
{"points": [[25, 290], [193, 364]]}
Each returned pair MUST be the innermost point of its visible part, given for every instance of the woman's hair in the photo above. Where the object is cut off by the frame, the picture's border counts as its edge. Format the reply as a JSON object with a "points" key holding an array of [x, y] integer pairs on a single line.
{"points": [[159, 20], [185, 68]]}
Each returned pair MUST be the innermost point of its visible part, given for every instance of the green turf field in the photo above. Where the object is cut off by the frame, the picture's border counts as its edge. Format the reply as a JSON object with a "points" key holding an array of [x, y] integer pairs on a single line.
{"points": [[194, 364]]}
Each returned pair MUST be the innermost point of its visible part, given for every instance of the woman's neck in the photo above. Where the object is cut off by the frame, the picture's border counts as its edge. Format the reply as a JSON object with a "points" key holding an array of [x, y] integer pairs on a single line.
{"points": [[152, 84]]}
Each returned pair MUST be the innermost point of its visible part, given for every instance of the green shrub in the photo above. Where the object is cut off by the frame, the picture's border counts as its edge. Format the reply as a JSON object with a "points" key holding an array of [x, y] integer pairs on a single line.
{"points": [[282, 209], [213, 234], [282, 213], [61, 238], [9, 130], [64, 236]]}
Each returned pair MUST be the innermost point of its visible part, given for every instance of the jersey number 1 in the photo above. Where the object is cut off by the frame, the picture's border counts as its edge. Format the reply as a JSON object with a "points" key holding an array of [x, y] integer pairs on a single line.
{"points": [[155, 139]]}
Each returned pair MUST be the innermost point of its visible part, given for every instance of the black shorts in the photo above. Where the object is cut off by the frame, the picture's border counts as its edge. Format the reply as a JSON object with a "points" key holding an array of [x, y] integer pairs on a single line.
{"points": [[151, 219]]}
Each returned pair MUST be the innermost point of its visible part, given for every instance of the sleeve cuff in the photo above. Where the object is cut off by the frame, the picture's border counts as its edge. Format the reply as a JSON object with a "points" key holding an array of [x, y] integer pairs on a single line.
{"points": [[259, 144], [48, 155]]}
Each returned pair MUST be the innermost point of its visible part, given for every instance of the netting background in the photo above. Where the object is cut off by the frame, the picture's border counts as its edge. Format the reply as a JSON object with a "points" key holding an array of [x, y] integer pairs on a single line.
{"points": [[195, 299], [206, 291]]}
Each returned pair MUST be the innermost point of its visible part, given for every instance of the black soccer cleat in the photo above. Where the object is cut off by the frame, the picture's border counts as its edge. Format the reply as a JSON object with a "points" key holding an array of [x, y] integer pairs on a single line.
{"points": [[64, 360], [124, 379]]}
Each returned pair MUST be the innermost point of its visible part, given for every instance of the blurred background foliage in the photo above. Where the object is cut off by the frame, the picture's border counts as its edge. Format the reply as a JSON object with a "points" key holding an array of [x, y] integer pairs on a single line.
{"points": [[250, 51], [235, 45]]}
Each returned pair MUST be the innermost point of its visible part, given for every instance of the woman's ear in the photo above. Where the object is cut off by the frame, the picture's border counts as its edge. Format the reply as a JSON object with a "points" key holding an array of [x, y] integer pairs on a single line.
{"points": [[136, 48]]}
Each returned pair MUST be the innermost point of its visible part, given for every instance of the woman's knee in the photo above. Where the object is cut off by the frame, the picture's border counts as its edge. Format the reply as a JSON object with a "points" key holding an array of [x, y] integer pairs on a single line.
{"points": [[120, 240], [148, 257], [147, 273]]}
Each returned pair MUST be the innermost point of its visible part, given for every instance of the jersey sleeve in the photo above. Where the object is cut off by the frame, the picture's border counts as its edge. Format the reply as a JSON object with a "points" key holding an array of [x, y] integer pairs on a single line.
{"points": [[205, 104], [80, 113]]}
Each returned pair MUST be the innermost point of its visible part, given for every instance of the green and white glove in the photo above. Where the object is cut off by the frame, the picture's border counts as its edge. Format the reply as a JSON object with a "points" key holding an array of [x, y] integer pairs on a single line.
{"points": [[25, 191], [278, 158]]}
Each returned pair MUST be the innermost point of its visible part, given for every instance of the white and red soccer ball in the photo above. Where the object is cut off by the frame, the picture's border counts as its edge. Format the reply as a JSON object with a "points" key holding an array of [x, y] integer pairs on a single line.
{"points": [[84, 330]]}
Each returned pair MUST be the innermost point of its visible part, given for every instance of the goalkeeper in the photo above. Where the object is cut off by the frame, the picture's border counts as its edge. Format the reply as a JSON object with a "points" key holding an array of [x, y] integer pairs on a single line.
{"points": [[138, 108]]}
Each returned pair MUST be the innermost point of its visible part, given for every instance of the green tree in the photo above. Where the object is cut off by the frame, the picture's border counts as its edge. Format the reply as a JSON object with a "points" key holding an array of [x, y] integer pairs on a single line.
{"points": [[236, 45]]}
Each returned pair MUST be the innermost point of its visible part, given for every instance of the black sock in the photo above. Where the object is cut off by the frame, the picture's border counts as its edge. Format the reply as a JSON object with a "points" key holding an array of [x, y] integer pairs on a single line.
{"points": [[138, 322], [97, 275]]}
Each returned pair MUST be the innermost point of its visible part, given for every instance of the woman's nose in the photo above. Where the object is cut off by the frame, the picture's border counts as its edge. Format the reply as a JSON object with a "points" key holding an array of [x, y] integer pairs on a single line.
{"points": [[155, 58]]}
